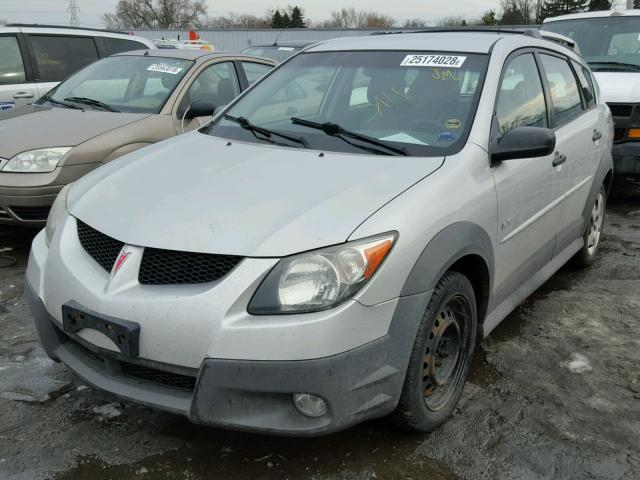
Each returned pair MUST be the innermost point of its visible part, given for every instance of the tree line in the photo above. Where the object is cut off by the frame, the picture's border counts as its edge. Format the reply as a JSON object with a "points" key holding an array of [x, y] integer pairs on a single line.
{"points": [[184, 14]]}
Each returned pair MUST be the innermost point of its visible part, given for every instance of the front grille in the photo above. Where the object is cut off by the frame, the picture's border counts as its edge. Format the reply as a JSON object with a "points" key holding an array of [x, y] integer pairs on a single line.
{"points": [[620, 109], [167, 267], [159, 377], [619, 133], [32, 213], [102, 248]]}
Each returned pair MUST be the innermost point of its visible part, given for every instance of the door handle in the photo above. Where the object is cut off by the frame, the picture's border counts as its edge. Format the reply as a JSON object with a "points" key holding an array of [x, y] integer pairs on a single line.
{"points": [[558, 159], [23, 95], [596, 135]]}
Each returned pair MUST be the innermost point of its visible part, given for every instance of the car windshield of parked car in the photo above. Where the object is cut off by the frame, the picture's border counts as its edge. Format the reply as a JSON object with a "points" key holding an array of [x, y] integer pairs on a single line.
{"points": [[608, 44], [279, 54], [418, 103], [135, 84]]}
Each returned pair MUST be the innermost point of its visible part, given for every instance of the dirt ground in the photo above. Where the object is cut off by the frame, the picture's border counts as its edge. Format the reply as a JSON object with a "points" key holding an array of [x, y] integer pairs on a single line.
{"points": [[554, 394]]}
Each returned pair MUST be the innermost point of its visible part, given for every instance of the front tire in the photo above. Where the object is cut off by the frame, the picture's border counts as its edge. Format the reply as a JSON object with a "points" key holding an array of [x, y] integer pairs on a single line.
{"points": [[441, 356], [592, 234]]}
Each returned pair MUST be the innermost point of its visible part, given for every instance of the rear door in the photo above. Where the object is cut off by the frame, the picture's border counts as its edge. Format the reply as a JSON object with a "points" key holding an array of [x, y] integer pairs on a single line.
{"points": [[55, 57], [578, 144], [526, 218], [17, 86]]}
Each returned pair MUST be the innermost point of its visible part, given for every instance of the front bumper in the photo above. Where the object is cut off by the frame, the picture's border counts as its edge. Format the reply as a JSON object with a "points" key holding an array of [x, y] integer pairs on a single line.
{"points": [[626, 158], [26, 198], [252, 395]]}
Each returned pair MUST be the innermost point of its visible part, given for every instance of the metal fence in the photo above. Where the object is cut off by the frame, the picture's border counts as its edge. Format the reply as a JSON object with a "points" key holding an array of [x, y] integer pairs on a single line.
{"points": [[235, 40]]}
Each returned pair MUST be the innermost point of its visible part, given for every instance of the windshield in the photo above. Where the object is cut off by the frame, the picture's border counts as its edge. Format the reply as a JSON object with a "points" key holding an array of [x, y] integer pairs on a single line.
{"points": [[606, 43], [122, 83], [421, 104], [279, 54]]}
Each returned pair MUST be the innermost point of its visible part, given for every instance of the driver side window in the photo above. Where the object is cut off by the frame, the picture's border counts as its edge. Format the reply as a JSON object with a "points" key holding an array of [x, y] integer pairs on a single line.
{"points": [[521, 98], [217, 84]]}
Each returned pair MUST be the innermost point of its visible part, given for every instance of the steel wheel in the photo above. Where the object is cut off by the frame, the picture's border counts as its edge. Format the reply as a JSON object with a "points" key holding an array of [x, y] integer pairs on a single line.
{"points": [[595, 224], [445, 354]]}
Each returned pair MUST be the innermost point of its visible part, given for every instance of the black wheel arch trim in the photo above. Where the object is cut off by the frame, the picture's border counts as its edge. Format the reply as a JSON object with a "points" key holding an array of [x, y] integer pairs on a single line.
{"points": [[447, 247]]}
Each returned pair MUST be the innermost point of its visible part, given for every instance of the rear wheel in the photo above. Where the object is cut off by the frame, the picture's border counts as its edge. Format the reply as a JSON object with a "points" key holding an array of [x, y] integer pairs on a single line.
{"points": [[593, 232], [441, 356]]}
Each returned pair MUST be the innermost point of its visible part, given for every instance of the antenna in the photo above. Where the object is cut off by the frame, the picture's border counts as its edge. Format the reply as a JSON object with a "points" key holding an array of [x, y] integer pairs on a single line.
{"points": [[74, 19]]}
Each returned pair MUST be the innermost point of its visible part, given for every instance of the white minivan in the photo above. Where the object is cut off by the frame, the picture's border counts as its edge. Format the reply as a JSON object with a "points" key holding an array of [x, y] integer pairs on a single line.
{"points": [[35, 58], [610, 43]]}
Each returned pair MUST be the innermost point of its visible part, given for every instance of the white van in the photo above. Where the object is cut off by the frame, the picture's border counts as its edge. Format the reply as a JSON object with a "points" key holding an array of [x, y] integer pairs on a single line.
{"points": [[35, 58], [610, 42]]}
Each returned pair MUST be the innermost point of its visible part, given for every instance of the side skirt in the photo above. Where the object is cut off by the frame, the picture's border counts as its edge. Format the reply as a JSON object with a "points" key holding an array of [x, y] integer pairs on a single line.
{"points": [[516, 298]]}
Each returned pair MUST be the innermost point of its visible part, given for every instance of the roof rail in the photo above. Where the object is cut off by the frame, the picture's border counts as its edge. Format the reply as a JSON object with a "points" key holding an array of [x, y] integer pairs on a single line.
{"points": [[528, 30], [66, 27], [561, 39]]}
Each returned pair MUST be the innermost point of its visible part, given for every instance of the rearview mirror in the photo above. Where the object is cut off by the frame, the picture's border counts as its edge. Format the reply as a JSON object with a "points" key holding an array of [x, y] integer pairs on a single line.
{"points": [[200, 108], [523, 142]]}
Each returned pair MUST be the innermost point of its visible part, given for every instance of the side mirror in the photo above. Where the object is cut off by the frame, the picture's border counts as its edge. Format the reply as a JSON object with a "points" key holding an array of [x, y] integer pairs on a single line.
{"points": [[523, 142], [200, 108]]}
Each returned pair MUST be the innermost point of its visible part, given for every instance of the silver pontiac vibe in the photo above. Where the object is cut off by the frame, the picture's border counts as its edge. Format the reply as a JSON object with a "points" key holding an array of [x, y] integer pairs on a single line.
{"points": [[331, 247]]}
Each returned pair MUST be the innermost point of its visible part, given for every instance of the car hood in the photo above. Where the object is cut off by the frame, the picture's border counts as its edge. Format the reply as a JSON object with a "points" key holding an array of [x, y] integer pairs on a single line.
{"points": [[197, 193], [32, 126], [619, 87]]}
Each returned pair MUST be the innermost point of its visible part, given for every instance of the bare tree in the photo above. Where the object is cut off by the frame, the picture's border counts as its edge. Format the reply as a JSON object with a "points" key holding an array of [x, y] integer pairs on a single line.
{"points": [[235, 20], [157, 14], [415, 23], [352, 18], [451, 21]]}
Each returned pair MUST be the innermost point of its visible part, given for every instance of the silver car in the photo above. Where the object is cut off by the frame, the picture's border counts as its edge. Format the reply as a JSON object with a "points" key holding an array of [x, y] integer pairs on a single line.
{"points": [[331, 248]]}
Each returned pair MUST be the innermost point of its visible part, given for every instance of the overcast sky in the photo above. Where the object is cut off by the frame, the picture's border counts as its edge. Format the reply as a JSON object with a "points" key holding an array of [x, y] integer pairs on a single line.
{"points": [[55, 11]]}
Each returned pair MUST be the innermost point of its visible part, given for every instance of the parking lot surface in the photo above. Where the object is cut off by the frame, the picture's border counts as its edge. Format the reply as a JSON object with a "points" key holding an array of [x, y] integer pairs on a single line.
{"points": [[554, 393]]}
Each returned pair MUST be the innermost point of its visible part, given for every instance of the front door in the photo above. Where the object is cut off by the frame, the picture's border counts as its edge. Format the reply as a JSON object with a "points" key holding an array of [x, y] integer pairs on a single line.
{"points": [[15, 87], [524, 187]]}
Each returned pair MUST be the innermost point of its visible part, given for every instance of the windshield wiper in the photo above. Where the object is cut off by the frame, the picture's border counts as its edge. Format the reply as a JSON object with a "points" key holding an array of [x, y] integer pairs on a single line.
{"points": [[247, 125], [335, 130], [91, 102], [58, 102], [631, 66]]}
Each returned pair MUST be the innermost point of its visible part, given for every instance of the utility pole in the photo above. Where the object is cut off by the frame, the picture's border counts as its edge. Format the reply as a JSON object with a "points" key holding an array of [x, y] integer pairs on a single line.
{"points": [[74, 19], [629, 4]]}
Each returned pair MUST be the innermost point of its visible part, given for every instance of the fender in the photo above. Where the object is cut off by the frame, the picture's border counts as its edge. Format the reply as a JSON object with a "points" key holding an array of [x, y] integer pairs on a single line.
{"points": [[124, 149], [445, 248]]}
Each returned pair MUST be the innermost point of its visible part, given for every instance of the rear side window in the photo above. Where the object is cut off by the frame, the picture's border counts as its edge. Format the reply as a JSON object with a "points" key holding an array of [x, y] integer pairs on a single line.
{"points": [[521, 98], [255, 71], [565, 97], [586, 84], [11, 67], [57, 57], [119, 45]]}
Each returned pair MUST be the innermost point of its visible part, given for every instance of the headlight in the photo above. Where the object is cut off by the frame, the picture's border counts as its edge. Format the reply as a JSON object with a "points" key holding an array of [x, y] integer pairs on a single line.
{"points": [[58, 209], [42, 160], [321, 279]]}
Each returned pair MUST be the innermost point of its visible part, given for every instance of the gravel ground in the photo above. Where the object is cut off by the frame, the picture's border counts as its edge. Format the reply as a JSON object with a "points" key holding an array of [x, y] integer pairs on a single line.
{"points": [[554, 393]]}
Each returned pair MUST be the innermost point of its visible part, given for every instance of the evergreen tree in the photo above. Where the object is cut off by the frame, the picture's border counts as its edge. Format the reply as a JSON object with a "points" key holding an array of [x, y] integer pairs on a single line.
{"points": [[276, 20], [489, 17], [599, 5], [636, 3], [286, 20], [553, 8], [297, 18]]}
